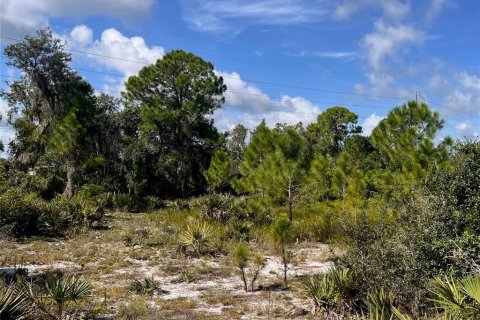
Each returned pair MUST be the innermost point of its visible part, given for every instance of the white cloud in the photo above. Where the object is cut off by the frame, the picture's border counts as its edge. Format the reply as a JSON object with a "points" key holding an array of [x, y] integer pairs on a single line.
{"points": [[247, 104], [113, 43], [370, 123], [387, 41], [435, 8], [391, 8], [232, 15], [328, 54], [465, 97], [6, 131], [19, 17], [81, 35]]}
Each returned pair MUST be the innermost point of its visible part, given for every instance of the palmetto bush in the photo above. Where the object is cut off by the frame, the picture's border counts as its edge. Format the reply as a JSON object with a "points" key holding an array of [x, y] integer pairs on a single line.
{"points": [[217, 207], [197, 236], [14, 304], [147, 285], [65, 289], [458, 299], [330, 291]]}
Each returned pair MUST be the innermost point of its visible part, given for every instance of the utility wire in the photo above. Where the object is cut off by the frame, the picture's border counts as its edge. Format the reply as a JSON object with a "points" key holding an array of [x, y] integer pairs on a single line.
{"points": [[245, 79], [230, 77], [260, 95], [242, 107]]}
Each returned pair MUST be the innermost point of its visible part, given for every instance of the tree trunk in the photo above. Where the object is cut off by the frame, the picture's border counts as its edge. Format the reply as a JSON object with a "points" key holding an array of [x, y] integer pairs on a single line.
{"points": [[290, 200], [285, 267], [70, 167], [244, 278]]}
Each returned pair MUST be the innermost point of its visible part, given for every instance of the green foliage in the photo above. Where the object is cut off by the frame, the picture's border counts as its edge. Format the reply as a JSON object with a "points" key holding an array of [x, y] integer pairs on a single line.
{"points": [[381, 304], [459, 299], [404, 140], [197, 236], [174, 99], [240, 260], [14, 305], [20, 212], [147, 285], [333, 127], [218, 174], [244, 260], [281, 233], [66, 289], [330, 291], [217, 207]]}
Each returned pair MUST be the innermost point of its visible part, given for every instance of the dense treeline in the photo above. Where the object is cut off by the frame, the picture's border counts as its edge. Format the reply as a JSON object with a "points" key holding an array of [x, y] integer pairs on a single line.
{"points": [[406, 207]]}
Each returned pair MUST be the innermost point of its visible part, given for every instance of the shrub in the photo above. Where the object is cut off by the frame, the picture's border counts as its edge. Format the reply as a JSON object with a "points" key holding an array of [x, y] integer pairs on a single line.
{"points": [[241, 260], [217, 207], [330, 291], [20, 212], [14, 304], [459, 299], [135, 203], [197, 236], [61, 213], [65, 289], [147, 285]]}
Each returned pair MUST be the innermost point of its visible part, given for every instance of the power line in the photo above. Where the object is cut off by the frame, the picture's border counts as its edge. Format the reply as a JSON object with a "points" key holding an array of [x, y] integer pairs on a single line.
{"points": [[242, 107], [237, 78], [252, 94]]}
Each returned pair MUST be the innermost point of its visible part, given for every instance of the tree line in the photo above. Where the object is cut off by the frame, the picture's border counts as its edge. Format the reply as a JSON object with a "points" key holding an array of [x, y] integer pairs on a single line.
{"points": [[159, 138]]}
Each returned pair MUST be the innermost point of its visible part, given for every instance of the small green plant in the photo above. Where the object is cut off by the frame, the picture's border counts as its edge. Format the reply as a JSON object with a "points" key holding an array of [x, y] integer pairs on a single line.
{"points": [[281, 233], [187, 276], [241, 261], [258, 264], [147, 285], [197, 236], [65, 289], [242, 258], [381, 304]]}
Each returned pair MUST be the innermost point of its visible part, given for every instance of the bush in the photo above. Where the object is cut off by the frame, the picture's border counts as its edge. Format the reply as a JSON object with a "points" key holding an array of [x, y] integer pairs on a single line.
{"points": [[330, 291], [135, 204], [217, 207], [197, 236], [20, 213], [26, 214], [61, 213], [147, 285]]}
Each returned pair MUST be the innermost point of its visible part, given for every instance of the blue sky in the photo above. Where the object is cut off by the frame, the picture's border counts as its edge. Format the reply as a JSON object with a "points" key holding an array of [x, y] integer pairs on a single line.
{"points": [[282, 60]]}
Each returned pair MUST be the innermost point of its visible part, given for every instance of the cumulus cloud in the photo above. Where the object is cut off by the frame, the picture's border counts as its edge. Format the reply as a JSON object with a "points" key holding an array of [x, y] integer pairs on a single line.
{"points": [[391, 8], [387, 40], [465, 97], [113, 43], [19, 17], [248, 104], [113, 51], [370, 123], [231, 15]]}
